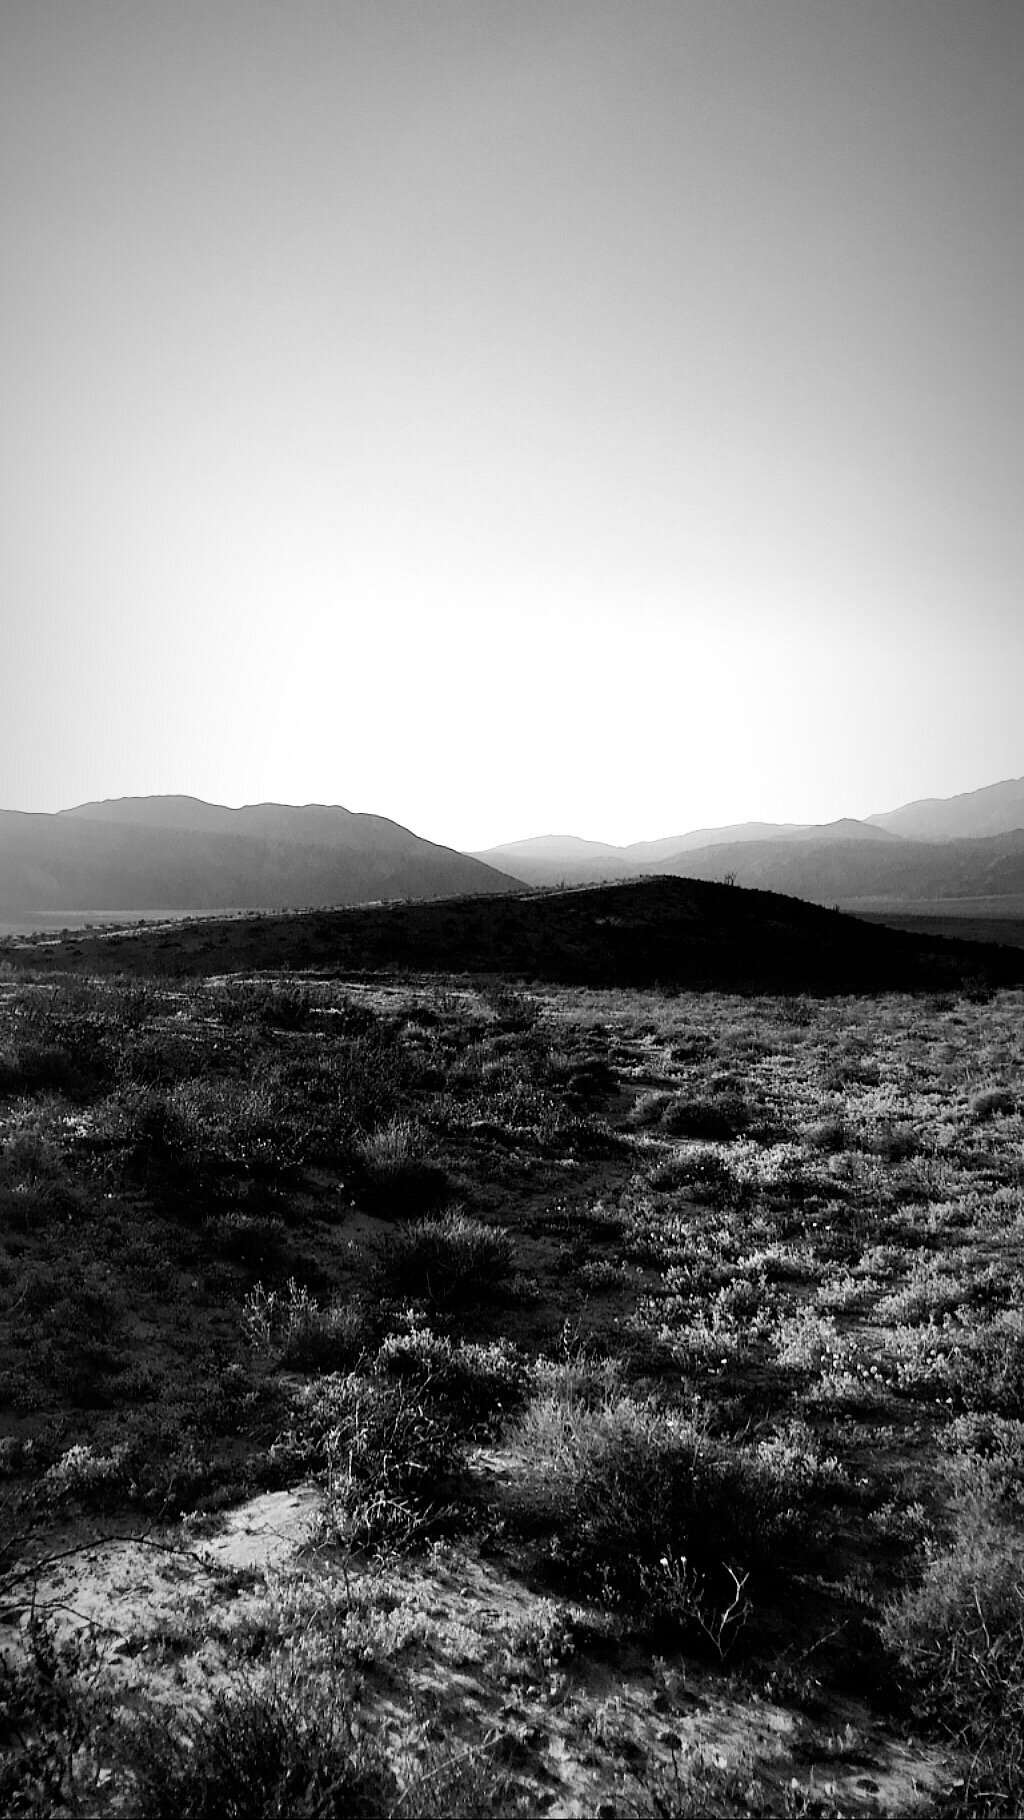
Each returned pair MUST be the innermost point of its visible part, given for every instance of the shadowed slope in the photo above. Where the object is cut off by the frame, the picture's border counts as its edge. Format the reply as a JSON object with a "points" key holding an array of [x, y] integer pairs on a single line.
{"points": [[668, 932]]}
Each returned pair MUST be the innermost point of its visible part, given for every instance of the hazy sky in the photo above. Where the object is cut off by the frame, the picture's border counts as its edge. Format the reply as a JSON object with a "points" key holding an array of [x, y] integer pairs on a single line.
{"points": [[512, 416]]}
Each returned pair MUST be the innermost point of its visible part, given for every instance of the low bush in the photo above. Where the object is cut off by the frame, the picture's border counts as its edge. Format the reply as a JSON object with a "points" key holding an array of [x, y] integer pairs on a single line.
{"points": [[704, 1172], [261, 1750], [648, 1109], [389, 1453], [991, 1103], [477, 1384], [53, 1714], [828, 1135], [957, 1639], [451, 1264], [305, 1336], [513, 1009], [896, 1143], [397, 1181], [648, 1510], [711, 1117], [990, 1375]]}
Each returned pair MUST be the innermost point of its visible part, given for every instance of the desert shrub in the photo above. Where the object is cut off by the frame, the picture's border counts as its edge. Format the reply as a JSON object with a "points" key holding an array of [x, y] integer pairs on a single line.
{"points": [[35, 1067], [160, 1135], [82, 1474], [988, 1437], [584, 1135], [828, 1135], [58, 1038], [287, 1006], [396, 1179], [234, 1002], [326, 1339], [30, 1151], [850, 1071], [692, 1045], [305, 1336], [704, 1171], [368, 1073], [513, 1009], [931, 1290], [388, 1452], [584, 1079], [157, 1058], [131, 1003], [990, 1373], [67, 1324], [649, 1511], [325, 1102], [991, 1103], [53, 1715], [896, 1143], [478, 1384], [719, 1117], [451, 1263], [390, 1147], [809, 1341], [958, 1641], [261, 1750], [576, 1378], [209, 1125], [648, 1109]]}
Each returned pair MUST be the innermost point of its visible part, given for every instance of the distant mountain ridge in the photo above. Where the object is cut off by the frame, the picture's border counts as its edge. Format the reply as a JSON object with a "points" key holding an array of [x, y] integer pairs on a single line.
{"points": [[179, 853], [964, 847], [182, 854], [552, 859], [997, 809]]}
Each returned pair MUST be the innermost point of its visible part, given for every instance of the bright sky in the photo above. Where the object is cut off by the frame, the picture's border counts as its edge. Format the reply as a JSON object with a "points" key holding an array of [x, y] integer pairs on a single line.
{"points": [[512, 416]]}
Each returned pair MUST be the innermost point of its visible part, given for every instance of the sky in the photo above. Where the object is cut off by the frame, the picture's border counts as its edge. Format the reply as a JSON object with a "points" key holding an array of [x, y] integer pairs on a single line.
{"points": [[512, 416]]}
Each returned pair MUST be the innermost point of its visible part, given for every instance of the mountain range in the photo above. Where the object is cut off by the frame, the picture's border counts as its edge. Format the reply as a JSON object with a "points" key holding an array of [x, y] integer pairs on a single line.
{"points": [[177, 854], [939, 850]]}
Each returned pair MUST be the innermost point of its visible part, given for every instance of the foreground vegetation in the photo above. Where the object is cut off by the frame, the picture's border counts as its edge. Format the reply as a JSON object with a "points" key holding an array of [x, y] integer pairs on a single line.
{"points": [[622, 1340]]}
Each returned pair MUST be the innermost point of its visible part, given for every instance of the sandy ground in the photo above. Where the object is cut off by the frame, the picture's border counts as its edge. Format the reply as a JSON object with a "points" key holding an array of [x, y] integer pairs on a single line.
{"points": [[465, 1652]]}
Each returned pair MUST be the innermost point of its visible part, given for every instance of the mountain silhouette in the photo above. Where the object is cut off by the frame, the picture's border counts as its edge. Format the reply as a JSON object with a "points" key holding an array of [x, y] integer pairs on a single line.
{"points": [[176, 853]]}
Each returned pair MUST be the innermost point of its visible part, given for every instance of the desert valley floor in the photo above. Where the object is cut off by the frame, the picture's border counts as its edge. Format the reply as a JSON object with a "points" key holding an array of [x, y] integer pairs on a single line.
{"points": [[434, 1394]]}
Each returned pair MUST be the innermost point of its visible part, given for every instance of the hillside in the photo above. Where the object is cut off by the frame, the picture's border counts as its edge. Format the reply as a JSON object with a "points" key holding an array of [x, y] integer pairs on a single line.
{"points": [[856, 873], [666, 932], [844, 863], [176, 853], [996, 809]]}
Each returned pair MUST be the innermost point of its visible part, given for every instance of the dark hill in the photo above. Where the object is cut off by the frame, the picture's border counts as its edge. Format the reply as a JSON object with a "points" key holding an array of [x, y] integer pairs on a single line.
{"points": [[668, 932]]}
